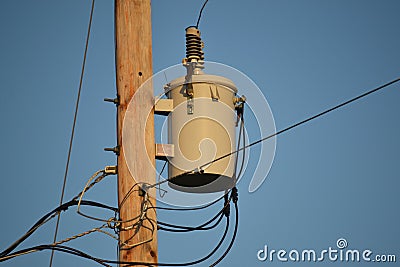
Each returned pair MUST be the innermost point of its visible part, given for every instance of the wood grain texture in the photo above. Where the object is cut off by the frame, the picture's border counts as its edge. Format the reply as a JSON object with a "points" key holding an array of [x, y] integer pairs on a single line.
{"points": [[133, 67]]}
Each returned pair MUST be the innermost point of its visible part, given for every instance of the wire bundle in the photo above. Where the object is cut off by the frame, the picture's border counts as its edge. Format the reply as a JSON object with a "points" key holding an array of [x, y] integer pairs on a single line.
{"points": [[142, 221], [137, 223]]}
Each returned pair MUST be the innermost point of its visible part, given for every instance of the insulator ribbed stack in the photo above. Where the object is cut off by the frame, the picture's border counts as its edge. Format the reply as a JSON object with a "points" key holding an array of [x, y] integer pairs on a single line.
{"points": [[194, 45]]}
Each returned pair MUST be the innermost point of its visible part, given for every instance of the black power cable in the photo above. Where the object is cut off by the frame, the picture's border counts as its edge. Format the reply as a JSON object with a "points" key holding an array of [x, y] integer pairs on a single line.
{"points": [[5, 255], [201, 11], [105, 262], [60, 248], [242, 135], [304, 121], [189, 209], [202, 227], [286, 129], [234, 196], [50, 215]]}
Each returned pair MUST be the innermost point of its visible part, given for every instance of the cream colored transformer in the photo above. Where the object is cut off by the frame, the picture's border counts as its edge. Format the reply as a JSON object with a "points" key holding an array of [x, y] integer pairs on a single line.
{"points": [[202, 128]]}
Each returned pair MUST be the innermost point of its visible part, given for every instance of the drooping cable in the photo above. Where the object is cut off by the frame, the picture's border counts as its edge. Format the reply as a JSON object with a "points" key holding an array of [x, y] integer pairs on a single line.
{"points": [[288, 128], [200, 13], [161, 191], [60, 248], [138, 223], [108, 170], [183, 229], [242, 134], [180, 228], [7, 255], [51, 215], [192, 208], [106, 262], [89, 185], [235, 200], [73, 127], [305, 120]]}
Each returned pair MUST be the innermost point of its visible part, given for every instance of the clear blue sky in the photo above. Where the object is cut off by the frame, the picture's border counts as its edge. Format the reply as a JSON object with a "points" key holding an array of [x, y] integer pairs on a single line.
{"points": [[336, 177]]}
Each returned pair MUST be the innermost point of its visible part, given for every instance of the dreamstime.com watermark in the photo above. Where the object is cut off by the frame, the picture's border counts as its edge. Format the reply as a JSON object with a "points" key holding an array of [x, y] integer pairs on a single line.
{"points": [[340, 253]]}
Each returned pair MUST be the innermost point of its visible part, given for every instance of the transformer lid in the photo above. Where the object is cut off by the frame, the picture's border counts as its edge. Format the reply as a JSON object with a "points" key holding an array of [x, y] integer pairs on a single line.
{"points": [[202, 78]]}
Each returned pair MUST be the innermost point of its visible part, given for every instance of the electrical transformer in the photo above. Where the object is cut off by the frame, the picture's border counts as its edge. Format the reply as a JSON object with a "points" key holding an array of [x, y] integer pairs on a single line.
{"points": [[201, 126]]}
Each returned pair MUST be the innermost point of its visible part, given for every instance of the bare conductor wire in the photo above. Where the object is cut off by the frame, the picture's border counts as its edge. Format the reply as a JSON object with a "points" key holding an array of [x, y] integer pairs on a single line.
{"points": [[73, 127]]}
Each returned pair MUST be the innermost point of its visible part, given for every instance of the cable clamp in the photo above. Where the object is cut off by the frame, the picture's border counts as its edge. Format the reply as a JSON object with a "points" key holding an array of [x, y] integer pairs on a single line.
{"points": [[198, 170], [234, 195], [144, 189], [239, 107], [227, 206], [113, 223], [111, 170], [239, 101]]}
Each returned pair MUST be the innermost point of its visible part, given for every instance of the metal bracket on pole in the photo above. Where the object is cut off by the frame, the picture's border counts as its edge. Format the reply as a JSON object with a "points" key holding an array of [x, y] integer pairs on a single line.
{"points": [[112, 100], [164, 151], [163, 106], [115, 149]]}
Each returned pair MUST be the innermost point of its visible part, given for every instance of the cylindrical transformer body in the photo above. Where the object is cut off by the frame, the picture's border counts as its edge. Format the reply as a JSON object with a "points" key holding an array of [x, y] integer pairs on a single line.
{"points": [[202, 129]]}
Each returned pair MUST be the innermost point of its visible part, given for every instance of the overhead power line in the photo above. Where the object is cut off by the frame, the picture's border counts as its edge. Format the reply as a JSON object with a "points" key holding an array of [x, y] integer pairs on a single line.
{"points": [[305, 121], [200, 13], [7, 254], [286, 129], [73, 127], [115, 224]]}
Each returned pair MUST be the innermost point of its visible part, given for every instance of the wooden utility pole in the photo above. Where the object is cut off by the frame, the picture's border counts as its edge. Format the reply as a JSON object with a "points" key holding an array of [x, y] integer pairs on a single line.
{"points": [[133, 67]]}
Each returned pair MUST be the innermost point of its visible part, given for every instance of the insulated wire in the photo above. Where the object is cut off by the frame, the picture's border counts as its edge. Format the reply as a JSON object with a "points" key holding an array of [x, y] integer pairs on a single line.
{"points": [[48, 217], [106, 262], [5, 255], [64, 207], [237, 175], [57, 211], [60, 248], [200, 227], [305, 121], [242, 134], [201, 11], [89, 185], [159, 177], [190, 209], [73, 128], [126, 263], [233, 237], [290, 127], [244, 151], [191, 229], [142, 218]]}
